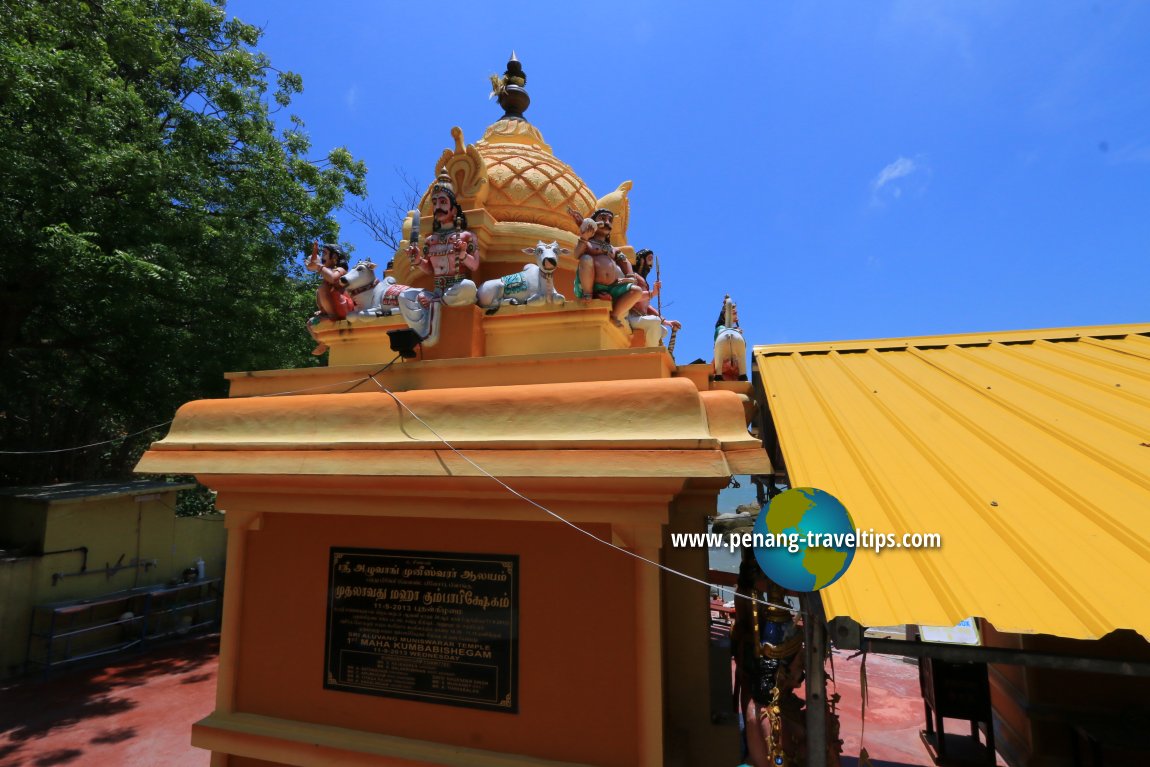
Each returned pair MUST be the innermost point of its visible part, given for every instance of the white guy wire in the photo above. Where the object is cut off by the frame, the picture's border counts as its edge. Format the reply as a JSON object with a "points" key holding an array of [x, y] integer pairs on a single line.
{"points": [[564, 520], [357, 381]]}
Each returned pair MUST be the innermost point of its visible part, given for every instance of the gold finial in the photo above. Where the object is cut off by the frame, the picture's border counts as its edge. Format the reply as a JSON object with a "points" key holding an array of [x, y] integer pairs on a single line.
{"points": [[509, 89]]}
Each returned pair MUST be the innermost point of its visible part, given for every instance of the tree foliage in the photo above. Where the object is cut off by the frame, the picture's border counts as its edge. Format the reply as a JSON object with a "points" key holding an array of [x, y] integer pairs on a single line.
{"points": [[153, 217]]}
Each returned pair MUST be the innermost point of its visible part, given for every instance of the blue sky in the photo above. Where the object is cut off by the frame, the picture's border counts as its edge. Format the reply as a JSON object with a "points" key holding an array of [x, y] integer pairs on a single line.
{"points": [[842, 169]]}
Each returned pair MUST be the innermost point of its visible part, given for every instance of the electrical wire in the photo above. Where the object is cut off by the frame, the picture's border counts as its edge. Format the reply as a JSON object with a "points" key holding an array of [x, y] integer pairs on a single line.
{"points": [[85, 447], [355, 382], [563, 519], [371, 377]]}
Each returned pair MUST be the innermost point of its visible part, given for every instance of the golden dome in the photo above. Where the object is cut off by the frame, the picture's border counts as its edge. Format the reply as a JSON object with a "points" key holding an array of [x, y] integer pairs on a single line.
{"points": [[512, 174], [526, 182]]}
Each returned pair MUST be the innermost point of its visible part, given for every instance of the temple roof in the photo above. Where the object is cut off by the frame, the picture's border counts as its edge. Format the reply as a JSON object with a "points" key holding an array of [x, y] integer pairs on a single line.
{"points": [[514, 175], [528, 183], [636, 428]]}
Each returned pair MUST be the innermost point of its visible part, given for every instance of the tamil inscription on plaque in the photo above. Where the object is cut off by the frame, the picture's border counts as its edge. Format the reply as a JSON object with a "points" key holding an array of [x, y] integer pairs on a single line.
{"points": [[438, 627]]}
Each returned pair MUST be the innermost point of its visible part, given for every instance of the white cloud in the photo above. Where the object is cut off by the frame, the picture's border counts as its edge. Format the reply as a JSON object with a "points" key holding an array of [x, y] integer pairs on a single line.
{"points": [[904, 175], [897, 169], [351, 98]]}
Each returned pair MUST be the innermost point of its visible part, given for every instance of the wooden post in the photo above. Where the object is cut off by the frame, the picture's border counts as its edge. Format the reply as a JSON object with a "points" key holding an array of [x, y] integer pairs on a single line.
{"points": [[815, 630]]}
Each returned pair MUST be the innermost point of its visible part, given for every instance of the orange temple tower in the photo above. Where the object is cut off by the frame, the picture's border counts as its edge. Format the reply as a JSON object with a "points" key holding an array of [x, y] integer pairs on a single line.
{"points": [[451, 559]]}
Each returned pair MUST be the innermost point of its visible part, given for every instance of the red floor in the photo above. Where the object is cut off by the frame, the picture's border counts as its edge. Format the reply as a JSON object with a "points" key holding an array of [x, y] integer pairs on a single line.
{"points": [[135, 713], [139, 712], [894, 716]]}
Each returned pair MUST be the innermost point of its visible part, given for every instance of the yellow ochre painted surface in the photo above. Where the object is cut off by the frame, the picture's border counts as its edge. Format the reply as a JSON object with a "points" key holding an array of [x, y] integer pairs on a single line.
{"points": [[521, 369], [1028, 451], [515, 193], [607, 428], [558, 400], [119, 523]]}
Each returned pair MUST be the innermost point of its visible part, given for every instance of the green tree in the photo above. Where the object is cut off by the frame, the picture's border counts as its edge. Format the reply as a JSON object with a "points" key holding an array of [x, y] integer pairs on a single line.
{"points": [[153, 218]]}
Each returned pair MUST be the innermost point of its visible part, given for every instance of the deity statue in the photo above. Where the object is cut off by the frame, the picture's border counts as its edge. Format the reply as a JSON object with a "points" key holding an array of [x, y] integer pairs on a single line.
{"points": [[603, 270], [450, 252], [767, 645], [332, 300], [644, 262], [644, 317]]}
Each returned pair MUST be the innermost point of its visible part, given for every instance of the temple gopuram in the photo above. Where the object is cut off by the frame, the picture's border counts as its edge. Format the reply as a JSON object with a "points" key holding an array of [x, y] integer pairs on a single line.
{"points": [[450, 546]]}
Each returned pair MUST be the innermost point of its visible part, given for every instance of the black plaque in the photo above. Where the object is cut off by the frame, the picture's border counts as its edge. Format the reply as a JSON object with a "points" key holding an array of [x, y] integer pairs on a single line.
{"points": [[438, 627]]}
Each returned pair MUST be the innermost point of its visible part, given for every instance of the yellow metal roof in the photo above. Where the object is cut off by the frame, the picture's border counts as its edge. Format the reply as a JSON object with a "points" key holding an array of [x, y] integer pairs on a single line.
{"points": [[1028, 451]]}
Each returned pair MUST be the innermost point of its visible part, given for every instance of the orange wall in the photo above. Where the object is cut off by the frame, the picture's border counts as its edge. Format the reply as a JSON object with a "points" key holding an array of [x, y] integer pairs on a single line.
{"points": [[576, 641]]}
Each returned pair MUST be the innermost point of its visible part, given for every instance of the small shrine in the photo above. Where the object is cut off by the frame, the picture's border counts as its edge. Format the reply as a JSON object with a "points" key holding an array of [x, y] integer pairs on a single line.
{"points": [[451, 544], [459, 278]]}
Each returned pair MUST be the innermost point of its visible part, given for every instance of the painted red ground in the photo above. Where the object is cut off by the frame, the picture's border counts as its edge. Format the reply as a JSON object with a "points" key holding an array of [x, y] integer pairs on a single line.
{"points": [[894, 716], [138, 712]]}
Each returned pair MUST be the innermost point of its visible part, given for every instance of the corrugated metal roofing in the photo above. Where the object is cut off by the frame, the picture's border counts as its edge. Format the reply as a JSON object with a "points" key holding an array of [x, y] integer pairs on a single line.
{"points": [[1029, 452]]}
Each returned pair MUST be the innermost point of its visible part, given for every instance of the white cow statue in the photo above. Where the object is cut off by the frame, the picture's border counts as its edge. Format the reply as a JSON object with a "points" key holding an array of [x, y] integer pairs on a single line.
{"points": [[371, 296], [386, 297], [730, 363], [534, 285]]}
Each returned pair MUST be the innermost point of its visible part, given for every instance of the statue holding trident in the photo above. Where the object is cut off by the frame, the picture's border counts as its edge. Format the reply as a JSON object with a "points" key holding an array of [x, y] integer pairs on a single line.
{"points": [[643, 316]]}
